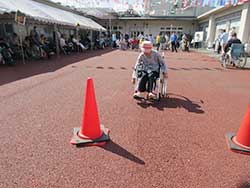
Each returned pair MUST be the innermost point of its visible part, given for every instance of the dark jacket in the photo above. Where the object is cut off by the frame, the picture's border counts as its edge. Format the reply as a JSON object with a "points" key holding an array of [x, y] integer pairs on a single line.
{"points": [[230, 42]]}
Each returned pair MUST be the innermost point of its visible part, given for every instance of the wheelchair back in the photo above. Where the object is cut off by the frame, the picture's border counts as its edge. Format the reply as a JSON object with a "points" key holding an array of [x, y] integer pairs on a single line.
{"points": [[237, 50]]}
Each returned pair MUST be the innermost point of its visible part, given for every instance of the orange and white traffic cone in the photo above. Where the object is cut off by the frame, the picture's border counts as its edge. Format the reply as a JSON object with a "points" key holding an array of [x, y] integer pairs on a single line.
{"points": [[91, 133], [241, 142]]}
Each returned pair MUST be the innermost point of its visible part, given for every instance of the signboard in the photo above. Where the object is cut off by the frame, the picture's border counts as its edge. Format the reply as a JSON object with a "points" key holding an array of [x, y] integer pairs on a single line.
{"points": [[20, 18], [198, 36]]}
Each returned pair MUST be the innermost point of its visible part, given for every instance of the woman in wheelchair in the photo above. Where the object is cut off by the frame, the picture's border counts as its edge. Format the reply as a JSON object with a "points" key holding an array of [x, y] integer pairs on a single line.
{"points": [[147, 69]]}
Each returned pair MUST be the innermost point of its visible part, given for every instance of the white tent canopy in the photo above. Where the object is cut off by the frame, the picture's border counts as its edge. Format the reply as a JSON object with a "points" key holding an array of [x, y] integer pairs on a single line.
{"points": [[46, 13]]}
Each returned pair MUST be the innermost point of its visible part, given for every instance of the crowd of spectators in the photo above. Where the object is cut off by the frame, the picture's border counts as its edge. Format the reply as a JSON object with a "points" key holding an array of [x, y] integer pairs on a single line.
{"points": [[162, 41], [38, 46]]}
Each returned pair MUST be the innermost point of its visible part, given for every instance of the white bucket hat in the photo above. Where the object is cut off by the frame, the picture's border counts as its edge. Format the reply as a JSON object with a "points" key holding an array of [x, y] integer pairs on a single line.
{"points": [[146, 46]]}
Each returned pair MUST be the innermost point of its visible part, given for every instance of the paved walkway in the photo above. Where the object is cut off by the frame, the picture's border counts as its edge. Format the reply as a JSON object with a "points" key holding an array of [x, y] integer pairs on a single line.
{"points": [[211, 53], [175, 143]]}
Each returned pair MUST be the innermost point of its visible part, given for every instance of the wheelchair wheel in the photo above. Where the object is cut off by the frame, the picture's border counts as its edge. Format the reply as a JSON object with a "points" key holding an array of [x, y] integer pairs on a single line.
{"points": [[158, 88], [241, 61], [226, 61], [164, 88]]}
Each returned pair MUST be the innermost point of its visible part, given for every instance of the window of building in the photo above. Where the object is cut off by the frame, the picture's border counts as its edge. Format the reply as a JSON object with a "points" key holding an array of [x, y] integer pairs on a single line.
{"points": [[235, 24]]}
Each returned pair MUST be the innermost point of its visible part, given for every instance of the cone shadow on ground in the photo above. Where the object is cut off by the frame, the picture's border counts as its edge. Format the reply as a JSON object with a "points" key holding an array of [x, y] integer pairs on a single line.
{"points": [[173, 101], [118, 150]]}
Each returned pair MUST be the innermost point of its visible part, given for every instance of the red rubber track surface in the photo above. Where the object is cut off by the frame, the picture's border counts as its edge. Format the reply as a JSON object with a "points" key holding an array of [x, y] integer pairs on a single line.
{"points": [[177, 142]]}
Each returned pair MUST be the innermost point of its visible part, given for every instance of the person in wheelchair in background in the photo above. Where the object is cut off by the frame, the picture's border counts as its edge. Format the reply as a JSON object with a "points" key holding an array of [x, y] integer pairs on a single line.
{"points": [[185, 43], [232, 40], [147, 69]]}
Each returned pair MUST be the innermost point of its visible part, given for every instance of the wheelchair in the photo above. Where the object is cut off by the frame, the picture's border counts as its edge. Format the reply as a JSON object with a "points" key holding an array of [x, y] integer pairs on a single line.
{"points": [[185, 45], [160, 84], [235, 56]]}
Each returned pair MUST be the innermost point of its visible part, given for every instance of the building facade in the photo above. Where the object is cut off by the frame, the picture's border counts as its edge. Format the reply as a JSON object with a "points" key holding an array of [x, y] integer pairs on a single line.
{"points": [[236, 17], [180, 21], [134, 26], [208, 20]]}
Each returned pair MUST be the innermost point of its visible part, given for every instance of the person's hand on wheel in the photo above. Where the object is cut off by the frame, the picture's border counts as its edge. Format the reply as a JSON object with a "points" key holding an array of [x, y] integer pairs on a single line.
{"points": [[165, 75]]}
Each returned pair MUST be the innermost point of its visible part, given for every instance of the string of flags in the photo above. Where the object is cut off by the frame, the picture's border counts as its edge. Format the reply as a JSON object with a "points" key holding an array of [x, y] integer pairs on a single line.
{"points": [[156, 7], [179, 3]]}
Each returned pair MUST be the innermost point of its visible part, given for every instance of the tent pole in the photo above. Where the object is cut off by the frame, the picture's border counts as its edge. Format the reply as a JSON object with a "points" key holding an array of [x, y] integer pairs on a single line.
{"points": [[77, 38], [21, 43], [57, 40], [91, 39], [110, 25]]}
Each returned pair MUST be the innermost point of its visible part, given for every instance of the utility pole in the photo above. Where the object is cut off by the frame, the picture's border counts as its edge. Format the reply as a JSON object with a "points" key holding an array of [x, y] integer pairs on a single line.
{"points": [[110, 25]]}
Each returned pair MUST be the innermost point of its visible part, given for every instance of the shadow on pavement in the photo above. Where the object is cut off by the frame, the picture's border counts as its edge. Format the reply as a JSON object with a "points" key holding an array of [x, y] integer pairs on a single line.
{"points": [[195, 68], [236, 68], [244, 185], [32, 68], [173, 101], [118, 150]]}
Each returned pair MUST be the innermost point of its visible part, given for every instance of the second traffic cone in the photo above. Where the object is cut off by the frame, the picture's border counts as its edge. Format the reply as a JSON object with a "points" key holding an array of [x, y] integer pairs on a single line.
{"points": [[241, 142], [91, 132]]}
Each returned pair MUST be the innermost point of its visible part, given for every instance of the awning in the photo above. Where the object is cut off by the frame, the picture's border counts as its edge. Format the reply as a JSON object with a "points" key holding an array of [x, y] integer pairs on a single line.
{"points": [[46, 13]]}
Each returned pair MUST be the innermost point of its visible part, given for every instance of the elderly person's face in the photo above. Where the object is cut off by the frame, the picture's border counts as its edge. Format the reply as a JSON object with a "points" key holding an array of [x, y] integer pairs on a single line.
{"points": [[147, 47], [147, 51]]}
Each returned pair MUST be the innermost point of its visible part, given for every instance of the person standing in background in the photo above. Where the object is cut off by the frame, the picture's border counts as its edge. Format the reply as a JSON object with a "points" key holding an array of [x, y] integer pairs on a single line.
{"points": [[173, 40], [167, 42], [140, 36], [151, 39], [217, 42], [196, 40], [158, 41], [162, 42], [114, 40], [224, 39]]}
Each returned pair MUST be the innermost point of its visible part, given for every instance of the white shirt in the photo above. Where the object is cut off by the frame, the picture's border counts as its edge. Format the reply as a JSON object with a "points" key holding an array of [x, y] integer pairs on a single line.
{"points": [[224, 38], [62, 42]]}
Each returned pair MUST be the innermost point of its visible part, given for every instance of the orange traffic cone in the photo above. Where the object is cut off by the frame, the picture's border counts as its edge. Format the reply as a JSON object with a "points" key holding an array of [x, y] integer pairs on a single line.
{"points": [[91, 132], [241, 142]]}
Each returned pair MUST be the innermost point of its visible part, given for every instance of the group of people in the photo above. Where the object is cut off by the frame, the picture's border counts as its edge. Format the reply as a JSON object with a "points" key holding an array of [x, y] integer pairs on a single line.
{"points": [[36, 45], [161, 41], [33, 46], [223, 38], [224, 41], [150, 62]]}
